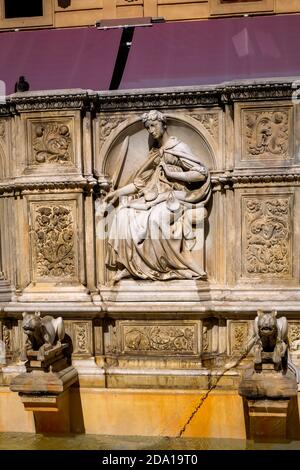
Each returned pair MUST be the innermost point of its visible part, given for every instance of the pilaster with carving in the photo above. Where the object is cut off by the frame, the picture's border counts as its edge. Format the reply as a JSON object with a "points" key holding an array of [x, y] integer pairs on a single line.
{"points": [[239, 334], [54, 240], [267, 242]]}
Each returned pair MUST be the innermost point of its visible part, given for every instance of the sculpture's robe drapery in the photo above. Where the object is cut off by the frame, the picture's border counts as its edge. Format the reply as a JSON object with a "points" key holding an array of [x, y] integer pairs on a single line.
{"points": [[156, 242]]}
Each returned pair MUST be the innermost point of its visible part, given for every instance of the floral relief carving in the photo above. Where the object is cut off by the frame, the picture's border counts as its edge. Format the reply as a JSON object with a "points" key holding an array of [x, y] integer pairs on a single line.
{"points": [[81, 338], [267, 134], [54, 241], [107, 125], [294, 336], [239, 336], [267, 241], [52, 143], [160, 338], [210, 121]]}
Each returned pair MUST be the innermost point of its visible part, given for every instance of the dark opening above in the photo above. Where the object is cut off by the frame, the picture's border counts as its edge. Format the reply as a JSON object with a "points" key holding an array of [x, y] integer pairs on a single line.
{"points": [[21, 8]]}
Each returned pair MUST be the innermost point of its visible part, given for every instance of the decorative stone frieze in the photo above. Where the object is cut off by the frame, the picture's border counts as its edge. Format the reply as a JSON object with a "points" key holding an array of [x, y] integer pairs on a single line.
{"points": [[160, 337]]}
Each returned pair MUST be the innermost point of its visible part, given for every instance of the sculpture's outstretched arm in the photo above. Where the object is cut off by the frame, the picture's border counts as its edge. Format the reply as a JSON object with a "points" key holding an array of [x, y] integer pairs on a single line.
{"points": [[113, 196]]}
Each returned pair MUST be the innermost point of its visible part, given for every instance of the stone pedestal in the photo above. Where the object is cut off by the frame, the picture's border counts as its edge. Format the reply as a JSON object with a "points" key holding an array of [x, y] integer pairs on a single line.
{"points": [[51, 412], [268, 393], [44, 390], [268, 418]]}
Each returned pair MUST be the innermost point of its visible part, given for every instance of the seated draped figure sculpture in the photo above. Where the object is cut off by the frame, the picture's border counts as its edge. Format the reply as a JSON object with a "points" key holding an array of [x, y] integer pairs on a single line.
{"points": [[152, 235]]}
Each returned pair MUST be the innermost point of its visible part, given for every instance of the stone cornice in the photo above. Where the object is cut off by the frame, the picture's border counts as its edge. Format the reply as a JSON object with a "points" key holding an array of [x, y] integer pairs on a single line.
{"points": [[40, 101], [253, 91], [179, 97], [132, 100], [234, 179], [92, 185], [86, 185]]}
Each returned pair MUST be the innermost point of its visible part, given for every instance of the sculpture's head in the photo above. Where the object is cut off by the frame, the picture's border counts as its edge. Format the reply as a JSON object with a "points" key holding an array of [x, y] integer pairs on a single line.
{"points": [[155, 123], [31, 321], [267, 323]]}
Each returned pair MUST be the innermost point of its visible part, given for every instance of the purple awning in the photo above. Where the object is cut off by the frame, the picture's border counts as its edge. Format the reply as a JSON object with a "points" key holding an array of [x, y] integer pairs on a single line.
{"points": [[59, 59], [213, 51]]}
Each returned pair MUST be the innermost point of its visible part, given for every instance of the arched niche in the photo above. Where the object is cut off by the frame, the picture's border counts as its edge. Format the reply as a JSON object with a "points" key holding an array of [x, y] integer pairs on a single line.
{"points": [[188, 130]]}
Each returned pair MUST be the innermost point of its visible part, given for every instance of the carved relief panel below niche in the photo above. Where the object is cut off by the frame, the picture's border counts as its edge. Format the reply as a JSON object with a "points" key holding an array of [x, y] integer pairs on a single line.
{"points": [[267, 236], [159, 337], [54, 241]]}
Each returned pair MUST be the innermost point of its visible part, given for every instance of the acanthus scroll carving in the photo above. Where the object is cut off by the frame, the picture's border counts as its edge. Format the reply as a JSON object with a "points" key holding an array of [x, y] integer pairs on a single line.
{"points": [[54, 235], [107, 125], [81, 338], [52, 143], [239, 336], [267, 134], [267, 244], [210, 121], [160, 338]]}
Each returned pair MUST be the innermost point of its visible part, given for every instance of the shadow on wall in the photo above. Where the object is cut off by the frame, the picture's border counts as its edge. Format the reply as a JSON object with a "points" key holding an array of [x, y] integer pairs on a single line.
{"points": [[76, 414]]}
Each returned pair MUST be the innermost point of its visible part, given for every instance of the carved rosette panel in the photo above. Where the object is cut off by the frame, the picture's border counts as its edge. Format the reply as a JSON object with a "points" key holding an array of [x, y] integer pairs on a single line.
{"points": [[239, 335], [52, 142], [266, 134], [107, 124], [157, 337], [82, 338], [294, 336], [267, 236], [210, 121], [54, 241]]}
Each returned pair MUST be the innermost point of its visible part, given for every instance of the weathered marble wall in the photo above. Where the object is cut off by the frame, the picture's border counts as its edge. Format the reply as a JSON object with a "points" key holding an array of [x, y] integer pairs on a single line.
{"points": [[57, 153]]}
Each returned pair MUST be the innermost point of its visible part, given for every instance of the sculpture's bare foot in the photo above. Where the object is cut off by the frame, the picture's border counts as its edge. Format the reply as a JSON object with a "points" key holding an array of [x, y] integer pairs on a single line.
{"points": [[120, 275]]}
